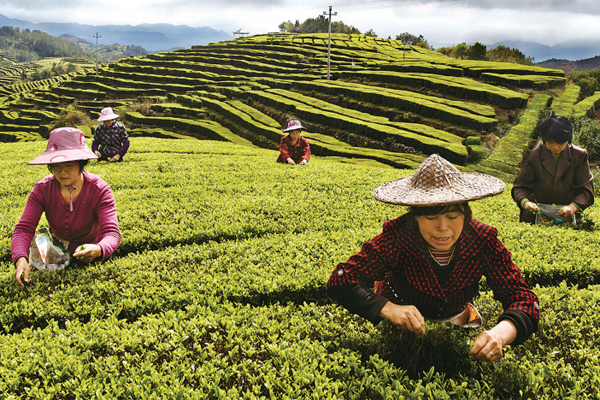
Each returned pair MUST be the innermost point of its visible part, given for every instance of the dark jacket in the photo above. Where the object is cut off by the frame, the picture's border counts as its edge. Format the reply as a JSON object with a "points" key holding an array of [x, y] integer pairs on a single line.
{"points": [[540, 181], [405, 273]]}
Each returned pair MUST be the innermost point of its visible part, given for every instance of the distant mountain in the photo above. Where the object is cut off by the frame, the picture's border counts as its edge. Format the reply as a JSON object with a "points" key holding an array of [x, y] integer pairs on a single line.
{"points": [[570, 50], [153, 37]]}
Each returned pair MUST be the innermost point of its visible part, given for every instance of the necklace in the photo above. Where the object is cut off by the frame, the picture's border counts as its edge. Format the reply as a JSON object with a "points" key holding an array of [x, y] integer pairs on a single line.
{"points": [[442, 255]]}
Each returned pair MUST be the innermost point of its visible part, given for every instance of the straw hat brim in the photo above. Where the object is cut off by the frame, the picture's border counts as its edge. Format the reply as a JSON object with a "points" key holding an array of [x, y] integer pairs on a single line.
{"points": [[60, 156], [472, 186]]}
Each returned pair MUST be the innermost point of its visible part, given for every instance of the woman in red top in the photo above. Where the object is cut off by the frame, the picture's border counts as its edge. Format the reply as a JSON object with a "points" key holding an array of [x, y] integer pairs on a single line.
{"points": [[427, 264], [294, 149]]}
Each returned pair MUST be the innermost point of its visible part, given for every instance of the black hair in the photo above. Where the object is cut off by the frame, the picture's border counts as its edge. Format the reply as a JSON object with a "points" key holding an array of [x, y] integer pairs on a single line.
{"points": [[82, 164], [462, 208], [556, 128]]}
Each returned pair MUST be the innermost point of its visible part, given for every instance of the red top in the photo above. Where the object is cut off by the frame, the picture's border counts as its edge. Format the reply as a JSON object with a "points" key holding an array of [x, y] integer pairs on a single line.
{"points": [[93, 219], [298, 152]]}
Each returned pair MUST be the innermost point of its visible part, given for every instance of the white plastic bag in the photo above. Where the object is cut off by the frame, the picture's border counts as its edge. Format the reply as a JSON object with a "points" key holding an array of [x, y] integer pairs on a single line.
{"points": [[47, 253]]}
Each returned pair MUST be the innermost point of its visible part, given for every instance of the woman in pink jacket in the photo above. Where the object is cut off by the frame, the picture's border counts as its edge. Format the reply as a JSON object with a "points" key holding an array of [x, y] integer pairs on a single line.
{"points": [[79, 206]]}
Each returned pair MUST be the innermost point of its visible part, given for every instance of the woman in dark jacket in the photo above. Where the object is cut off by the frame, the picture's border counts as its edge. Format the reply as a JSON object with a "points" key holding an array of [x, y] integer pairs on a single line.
{"points": [[427, 264], [111, 140], [557, 172]]}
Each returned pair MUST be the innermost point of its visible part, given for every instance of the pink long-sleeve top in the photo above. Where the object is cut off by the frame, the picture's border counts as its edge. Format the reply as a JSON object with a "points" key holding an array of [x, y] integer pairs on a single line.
{"points": [[93, 219]]}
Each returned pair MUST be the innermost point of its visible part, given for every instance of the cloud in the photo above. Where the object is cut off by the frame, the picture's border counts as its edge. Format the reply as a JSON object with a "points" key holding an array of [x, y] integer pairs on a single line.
{"points": [[570, 6], [447, 21]]}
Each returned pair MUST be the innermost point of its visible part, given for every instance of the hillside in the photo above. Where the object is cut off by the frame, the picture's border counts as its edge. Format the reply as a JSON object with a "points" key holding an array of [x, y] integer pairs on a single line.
{"points": [[570, 66], [154, 37], [385, 102], [25, 45], [218, 291]]}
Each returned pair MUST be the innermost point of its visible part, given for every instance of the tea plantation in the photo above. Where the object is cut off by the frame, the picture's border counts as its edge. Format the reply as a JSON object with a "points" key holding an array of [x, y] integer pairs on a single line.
{"points": [[218, 291], [384, 102]]}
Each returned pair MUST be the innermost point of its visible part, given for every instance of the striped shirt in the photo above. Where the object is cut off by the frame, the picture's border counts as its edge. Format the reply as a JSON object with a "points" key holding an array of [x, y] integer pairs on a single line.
{"points": [[442, 257]]}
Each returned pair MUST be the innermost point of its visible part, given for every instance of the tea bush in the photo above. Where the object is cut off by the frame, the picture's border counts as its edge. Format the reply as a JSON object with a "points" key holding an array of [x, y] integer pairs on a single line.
{"points": [[218, 291]]}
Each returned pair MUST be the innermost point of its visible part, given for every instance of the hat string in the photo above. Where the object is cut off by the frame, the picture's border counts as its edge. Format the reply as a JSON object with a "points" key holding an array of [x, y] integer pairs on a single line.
{"points": [[71, 188]]}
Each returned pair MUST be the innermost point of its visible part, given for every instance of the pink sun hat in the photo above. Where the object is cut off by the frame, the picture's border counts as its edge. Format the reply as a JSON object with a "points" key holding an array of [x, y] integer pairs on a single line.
{"points": [[294, 125], [107, 114], [64, 145]]}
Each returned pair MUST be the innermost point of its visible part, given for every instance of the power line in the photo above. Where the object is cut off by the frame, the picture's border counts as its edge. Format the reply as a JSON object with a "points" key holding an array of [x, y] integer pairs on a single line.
{"points": [[361, 5], [369, 4]]}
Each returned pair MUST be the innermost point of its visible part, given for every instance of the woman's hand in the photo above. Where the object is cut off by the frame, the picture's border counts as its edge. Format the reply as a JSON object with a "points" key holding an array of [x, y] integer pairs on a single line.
{"points": [[290, 161], [87, 252], [406, 318], [303, 162], [531, 207], [489, 344], [117, 157], [567, 212], [98, 153], [22, 269]]}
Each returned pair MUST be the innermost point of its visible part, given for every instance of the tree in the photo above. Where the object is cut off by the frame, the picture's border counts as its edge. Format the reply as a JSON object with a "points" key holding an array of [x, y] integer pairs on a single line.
{"points": [[317, 25], [477, 52], [411, 39], [460, 51], [371, 33], [588, 81], [506, 54]]}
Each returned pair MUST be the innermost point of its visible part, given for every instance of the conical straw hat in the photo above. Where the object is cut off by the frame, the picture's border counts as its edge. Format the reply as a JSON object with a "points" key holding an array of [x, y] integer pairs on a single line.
{"points": [[438, 182]]}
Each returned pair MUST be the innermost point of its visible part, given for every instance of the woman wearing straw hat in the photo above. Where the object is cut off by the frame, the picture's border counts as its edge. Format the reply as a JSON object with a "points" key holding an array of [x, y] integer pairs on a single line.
{"points": [[111, 140], [556, 172], [79, 207], [428, 263], [294, 149]]}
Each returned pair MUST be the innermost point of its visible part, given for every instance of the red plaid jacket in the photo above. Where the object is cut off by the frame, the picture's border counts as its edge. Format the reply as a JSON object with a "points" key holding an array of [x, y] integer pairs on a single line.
{"points": [[299, 152], [398, 262]]}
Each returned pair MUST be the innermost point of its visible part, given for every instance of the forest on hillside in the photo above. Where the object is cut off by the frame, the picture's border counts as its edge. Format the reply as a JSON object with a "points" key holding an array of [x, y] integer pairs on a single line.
{"points": [[26, 45]]}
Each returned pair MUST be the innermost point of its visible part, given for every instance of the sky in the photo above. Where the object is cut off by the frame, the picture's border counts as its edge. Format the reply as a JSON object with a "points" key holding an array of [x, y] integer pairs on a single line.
{"points": [[441, 22]]}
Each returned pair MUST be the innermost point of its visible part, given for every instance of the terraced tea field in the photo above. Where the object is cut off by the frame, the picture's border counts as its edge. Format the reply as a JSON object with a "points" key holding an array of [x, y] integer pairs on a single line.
{"points": [[385, 102]]}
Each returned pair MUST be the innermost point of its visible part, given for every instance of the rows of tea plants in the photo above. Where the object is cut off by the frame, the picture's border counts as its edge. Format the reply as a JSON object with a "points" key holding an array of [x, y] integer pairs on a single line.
{"points": [[218, 290], [384, 102], [506, 159]]}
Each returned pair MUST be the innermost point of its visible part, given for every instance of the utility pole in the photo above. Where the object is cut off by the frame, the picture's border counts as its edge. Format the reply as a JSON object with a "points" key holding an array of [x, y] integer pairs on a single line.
{"points": [[329, 44], [97, 37]]}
